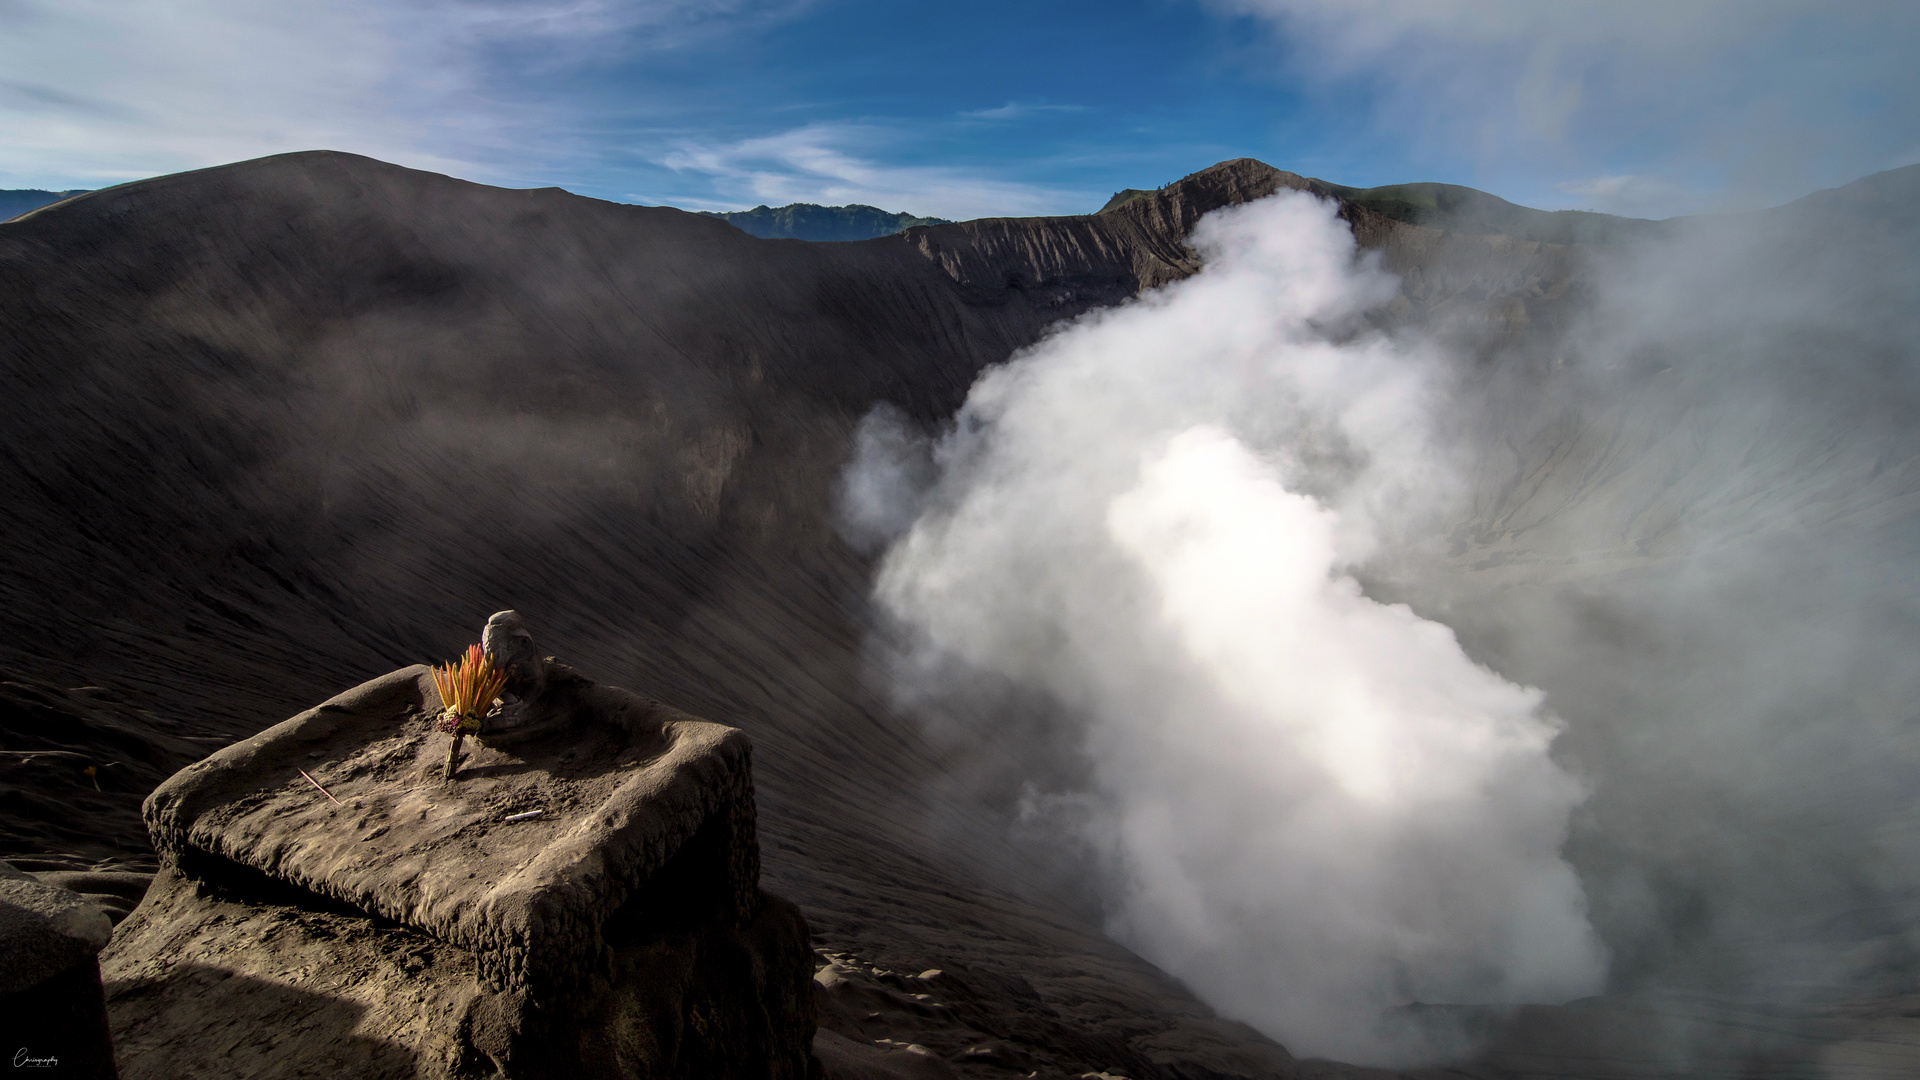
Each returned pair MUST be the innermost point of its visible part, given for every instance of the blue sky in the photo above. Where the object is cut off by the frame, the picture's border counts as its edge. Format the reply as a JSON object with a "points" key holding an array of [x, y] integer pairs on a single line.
{"points": [[988, 107]]}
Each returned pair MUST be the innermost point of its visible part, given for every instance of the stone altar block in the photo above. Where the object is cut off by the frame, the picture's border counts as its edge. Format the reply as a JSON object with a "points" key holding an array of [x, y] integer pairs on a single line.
{"points": [[584, 902]]}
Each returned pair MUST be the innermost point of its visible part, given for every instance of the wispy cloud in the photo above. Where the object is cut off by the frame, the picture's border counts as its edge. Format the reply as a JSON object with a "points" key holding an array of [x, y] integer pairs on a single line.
{"points": [[1631, 195], [835, 164], [775, 99], [1752, 99], [1019, 110], [104, 90]]}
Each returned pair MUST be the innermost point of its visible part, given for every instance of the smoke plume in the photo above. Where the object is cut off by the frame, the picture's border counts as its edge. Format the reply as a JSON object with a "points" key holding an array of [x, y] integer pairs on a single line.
{"points": [[1693, 524], [1212, 550], [1310, 805]]}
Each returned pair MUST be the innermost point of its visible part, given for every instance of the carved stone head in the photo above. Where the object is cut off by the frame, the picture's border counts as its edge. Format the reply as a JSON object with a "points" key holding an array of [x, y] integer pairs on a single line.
{"points": [[508, 642]]}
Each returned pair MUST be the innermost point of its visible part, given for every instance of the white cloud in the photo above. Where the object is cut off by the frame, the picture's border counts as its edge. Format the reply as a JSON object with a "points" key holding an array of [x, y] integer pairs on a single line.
{"points": [[99, 91], [1756, 99], [824, 163]]}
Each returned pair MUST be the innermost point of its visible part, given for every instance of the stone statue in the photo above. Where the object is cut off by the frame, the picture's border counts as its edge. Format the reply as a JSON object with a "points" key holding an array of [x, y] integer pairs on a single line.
{"points": [[526, 710], [507, 640]]}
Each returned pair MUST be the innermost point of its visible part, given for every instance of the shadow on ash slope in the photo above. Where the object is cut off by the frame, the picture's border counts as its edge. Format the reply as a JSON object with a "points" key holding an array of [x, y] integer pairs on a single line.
{"points": [[1238, 603]]}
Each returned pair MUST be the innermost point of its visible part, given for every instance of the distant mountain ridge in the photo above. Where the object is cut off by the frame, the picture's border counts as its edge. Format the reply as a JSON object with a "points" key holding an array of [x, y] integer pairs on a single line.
{"points": [[18, 201], [1469, 211], [811, 221]]}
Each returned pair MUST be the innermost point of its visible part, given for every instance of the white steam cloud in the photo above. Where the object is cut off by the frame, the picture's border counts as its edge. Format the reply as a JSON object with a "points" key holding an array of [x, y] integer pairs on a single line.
{"points": [[1313, 806]]}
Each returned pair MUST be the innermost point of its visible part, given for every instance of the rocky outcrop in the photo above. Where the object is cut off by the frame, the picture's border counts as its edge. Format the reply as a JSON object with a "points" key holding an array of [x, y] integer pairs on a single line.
{"points": [[583, 904], [1095, 259], [50, 998], [1462, 283]]}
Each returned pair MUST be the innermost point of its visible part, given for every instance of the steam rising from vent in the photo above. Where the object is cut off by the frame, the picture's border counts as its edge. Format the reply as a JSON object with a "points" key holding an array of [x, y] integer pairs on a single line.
{"points": [[1311, 806], [879, 495]]}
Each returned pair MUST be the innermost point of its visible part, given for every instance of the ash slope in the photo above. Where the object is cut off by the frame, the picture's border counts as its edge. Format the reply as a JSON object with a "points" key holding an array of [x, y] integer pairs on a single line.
{"points": [[277, 427], [280, 426]]}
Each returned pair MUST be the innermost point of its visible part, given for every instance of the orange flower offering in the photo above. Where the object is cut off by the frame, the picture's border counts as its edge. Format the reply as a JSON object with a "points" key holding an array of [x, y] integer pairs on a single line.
{"points": [[468, 690]]}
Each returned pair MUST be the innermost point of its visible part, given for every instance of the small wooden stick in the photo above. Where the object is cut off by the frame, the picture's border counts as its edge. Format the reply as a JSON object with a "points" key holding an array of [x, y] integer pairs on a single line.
{"points": [[453, 754], [316, 783]]}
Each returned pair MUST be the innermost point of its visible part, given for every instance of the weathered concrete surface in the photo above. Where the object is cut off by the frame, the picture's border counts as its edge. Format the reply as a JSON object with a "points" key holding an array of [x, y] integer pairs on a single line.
{"points": [[620, 933]]}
